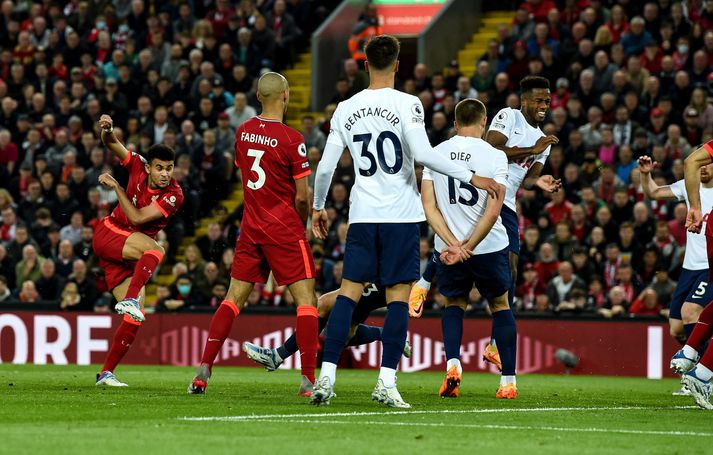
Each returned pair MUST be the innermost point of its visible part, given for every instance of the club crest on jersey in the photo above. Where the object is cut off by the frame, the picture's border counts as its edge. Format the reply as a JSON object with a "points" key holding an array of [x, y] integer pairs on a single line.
{"points": [[302, 150]]}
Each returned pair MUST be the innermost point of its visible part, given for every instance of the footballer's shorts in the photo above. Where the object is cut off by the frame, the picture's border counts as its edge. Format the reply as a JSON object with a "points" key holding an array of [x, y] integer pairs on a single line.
{"points": [[509, 219], [382, 253], [490, 273], [289, 262], [692, 287], [109, 240], [373, 298]]}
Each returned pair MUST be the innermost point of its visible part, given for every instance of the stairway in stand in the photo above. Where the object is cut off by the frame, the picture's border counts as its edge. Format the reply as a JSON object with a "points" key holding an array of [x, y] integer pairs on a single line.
{"points": [[478, 45], [299, 78]]}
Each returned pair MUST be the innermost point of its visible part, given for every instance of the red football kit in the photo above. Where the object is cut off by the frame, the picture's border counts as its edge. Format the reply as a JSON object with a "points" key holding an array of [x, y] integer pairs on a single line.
{"points": [[111, 234], [272, 235]]}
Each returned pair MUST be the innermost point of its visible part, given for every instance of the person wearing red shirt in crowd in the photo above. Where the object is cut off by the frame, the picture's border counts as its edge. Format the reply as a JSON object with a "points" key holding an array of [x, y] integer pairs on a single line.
{"points": [[547, 264], [677, 226], [538, 9], [220, 16], [646, 304], [618, 23], [578, 223], [273, 159], [9, 153], [124, 241], [559, 208], [531, 287]]}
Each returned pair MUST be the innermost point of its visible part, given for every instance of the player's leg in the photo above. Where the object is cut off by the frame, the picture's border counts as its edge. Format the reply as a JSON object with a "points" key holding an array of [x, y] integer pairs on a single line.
{"points": [[123, 339], [307, 328], [692, 294], [398, 265], [360, 267], [420, 289], [148, 254], [698, 379], [452, 329]]}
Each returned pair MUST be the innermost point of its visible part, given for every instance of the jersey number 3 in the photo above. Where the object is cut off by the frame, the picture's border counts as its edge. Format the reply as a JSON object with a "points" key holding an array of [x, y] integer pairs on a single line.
{"points": [[257, 184], [365, 140]]}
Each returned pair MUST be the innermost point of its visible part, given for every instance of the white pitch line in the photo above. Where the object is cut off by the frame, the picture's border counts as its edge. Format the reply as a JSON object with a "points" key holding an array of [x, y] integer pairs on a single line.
{"points": [[499, 427], [433, 411]]}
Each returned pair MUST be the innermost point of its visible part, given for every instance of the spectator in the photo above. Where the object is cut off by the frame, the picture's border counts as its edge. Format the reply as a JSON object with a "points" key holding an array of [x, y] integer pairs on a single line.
{"points": [[313, 136], [28, 293], [5, 293], [646, 304], [182, 295], [29, 267], [636, 38], [547, 263], [616, 304], [212, 244], [86, 286], [560, 287]]}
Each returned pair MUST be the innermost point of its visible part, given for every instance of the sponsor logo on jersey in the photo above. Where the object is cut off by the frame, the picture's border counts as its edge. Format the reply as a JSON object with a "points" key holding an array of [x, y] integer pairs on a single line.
{"points": [[498, 126], [170, 200]]}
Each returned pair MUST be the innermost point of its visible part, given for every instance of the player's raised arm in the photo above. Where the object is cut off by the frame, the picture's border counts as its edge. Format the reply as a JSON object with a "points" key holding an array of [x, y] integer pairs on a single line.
{"points": [[498, 140], [110, 141], [651, 189], [137, 216], [692, 176]]}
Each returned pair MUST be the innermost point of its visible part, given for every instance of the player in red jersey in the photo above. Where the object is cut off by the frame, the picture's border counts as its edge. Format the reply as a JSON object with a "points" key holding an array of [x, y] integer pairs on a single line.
{"points": [[124, 241], [697, 370], [273, 159]]}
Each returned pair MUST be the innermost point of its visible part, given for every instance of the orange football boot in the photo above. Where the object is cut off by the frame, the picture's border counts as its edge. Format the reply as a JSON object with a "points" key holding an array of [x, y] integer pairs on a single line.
{"points": [[507, 391], [451, 383]]}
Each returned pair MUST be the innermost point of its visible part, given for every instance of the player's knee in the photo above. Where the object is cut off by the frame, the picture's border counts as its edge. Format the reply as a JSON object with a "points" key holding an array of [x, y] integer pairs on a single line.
{"points": [[690, 312], [159, 248], [499, 304]]}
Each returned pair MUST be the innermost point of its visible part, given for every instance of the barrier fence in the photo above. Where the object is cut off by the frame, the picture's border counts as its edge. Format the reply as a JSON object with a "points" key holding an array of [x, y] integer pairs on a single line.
{"points": [[614, 348]]}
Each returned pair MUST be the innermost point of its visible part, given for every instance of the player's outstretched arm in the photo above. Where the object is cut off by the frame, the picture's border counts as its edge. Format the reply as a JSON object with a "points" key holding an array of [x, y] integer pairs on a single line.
{"points": [[651, 189], [322, 179], [135, 215], [498, 140], [692, 176], [110, 141], [546, 183]]}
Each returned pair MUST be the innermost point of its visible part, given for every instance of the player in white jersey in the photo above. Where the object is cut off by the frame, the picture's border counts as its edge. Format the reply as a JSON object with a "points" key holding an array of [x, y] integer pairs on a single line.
{"points": [[692, 292], [467, 224], [384, 131]]}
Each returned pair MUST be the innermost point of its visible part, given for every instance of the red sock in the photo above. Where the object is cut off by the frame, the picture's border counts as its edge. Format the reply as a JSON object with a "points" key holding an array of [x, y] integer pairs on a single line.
{"points": [[219, 330], [307, 339], [143, 270], [124, 336], [703, 330]]}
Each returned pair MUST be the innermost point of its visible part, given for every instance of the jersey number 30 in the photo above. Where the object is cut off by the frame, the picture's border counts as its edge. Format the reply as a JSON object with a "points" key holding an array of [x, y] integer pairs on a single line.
{"points": [[257, 184], [365, 140], [455, 198]]}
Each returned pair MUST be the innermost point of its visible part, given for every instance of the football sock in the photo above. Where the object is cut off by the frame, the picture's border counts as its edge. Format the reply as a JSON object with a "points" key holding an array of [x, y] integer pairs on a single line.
{"points": [[290, 347], [703, 330], [688, 329], [388, 376], [143, 270], [219, 330], [124, 336], [452, 327], [508, 379], [454, 363], [329, 370], [393, 337], [702, 371], [422, 283], [428, 274], [365, 334], [505, 335], [338, 327], [307, 339], [689, 352]]}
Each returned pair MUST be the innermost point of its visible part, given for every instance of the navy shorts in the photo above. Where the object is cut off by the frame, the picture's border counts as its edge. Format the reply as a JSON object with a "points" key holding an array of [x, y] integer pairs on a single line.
{"points": [[490, 273], [509, 219], [382, 253], [692, 287], [371, 299]]}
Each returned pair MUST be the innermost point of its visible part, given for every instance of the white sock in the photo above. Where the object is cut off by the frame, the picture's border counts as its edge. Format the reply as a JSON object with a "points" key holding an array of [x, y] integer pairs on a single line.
{"points": [[492, 342], [505, 380], [689, 352], [423, 284], [454, 363], [388, 377], [328, 370], [703, 372], [277, 354]]}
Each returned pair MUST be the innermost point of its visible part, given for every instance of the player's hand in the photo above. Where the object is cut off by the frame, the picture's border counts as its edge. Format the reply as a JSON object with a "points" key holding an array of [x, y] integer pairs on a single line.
{"points": [[694, 220], [544, 142], [106, 123], [646, 165], [320, 224], [454, 254], [549, 184], [173, 304], [487, 184], [108, 181]]}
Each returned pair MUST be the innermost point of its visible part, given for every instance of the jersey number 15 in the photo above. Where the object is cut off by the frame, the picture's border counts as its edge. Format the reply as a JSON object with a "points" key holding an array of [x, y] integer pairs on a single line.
{"points": [[455, 198]]}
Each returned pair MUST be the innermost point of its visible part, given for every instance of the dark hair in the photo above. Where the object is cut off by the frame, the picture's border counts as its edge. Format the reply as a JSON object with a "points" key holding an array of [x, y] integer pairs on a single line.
{"points": [[382, 51], [533, 82], [161, 152], [470, 112]]}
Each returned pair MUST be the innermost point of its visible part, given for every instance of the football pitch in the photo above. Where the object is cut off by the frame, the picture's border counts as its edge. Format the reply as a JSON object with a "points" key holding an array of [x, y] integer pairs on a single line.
{"points": [[58, 410]]}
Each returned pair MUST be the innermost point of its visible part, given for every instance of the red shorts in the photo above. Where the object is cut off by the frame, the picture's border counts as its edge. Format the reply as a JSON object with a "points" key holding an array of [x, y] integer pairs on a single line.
{"points": [[109, 241], [289, 262]]}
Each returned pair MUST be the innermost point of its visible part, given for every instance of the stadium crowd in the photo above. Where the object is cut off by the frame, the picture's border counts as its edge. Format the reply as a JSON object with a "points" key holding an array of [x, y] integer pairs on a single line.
{"points": [[628, 79]]}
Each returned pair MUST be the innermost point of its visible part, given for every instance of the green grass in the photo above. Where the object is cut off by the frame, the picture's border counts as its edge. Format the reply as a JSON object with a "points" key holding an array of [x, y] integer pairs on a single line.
{"points": [[57, 409]]}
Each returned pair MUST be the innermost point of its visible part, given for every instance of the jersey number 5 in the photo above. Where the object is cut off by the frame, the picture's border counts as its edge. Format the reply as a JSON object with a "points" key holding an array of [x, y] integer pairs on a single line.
{"points": [[365, 140], [455, 198], [257, 154]]}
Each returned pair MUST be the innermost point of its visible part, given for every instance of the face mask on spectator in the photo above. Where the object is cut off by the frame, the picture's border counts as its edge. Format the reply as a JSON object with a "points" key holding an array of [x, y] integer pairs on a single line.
{"points": [[683, 48], [184, 289]]}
